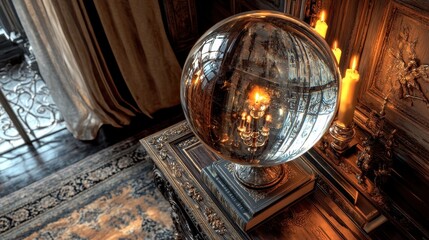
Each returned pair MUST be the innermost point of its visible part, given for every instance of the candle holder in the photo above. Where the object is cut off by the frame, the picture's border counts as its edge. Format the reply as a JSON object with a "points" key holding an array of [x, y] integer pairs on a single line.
{"points": [[341, 136]]}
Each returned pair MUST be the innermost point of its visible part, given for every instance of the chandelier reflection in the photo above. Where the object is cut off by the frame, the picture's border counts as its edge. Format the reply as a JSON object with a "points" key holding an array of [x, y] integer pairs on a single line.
{"points": [[252, 131]]}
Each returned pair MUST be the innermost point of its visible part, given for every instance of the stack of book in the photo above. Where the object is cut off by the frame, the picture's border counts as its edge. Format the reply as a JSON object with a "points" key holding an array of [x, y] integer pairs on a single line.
{"points": [[248, 207]]}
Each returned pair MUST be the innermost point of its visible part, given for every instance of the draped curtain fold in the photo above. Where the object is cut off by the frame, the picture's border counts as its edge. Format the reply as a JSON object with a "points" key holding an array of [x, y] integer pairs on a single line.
{"points": [[131, 27], [71, 60]]}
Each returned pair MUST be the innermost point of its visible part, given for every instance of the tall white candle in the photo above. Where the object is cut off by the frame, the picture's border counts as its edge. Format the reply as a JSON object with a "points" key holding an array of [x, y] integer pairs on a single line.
{"points": [[321, 26], [337, 52], [348, 98]]}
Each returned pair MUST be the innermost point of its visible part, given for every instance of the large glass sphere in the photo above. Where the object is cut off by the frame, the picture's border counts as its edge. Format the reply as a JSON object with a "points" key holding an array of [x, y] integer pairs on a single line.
{"points": [[260, 88]]}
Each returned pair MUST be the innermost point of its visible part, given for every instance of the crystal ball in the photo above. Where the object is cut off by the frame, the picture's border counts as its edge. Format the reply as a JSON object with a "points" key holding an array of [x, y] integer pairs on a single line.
{"points": [[260, 88]]}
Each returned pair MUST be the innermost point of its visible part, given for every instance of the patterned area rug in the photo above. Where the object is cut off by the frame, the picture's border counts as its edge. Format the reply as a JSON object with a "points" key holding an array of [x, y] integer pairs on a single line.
{"points": [[109, 195]]}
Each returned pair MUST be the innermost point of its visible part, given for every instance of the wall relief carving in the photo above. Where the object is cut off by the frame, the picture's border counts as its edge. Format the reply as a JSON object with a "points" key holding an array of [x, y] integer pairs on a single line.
{"points": [[408, 77], [401, 72], [397, 68]]}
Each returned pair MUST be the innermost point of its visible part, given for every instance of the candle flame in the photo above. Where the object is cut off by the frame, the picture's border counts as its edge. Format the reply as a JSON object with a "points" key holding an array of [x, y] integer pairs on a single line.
{"points": [[322, 16], [259, 96], [354, 63], [334, 45]]}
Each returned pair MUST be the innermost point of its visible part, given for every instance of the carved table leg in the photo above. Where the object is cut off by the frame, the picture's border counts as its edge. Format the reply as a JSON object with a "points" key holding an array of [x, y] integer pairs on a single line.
{"points": [[186, 228]]}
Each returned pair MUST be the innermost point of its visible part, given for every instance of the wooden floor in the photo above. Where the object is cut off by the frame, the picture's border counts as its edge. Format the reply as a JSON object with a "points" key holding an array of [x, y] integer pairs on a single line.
{"points": [[26, 164]]}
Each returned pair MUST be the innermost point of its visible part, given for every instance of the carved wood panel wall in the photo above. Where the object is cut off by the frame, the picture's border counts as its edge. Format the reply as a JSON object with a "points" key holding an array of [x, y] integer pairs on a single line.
{"points": [[400, 71], [181, 25], [395, 67], [391, 38]]}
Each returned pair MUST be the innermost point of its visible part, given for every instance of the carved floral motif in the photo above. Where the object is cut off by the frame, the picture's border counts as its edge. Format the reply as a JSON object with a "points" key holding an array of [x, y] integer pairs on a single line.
{"points": [[160, 142], [214, 221], [188, 142]]}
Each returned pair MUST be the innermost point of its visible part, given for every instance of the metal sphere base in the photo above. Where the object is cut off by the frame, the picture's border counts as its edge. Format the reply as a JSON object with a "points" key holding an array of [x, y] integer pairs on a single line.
{"points": [[259, 177]]}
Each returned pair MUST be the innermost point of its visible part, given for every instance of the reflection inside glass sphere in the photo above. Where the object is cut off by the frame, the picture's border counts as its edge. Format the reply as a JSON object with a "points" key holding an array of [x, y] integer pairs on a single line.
{"points": [[260, 88]]}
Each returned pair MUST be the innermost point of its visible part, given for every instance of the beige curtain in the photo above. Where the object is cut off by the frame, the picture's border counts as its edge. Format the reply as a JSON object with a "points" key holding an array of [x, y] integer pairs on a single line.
{"points": [[71, 61], [135, 32]]}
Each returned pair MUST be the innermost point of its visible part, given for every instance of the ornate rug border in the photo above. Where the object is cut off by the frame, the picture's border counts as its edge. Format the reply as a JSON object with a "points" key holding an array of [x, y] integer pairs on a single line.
{"points": [[37, 199]]}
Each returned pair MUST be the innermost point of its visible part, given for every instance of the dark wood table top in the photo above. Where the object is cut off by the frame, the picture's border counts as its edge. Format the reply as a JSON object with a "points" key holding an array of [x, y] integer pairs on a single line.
{"points": [[179, 155]]}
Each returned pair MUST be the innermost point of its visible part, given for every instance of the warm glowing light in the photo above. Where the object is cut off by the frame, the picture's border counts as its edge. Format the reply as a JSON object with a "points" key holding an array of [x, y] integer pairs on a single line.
{"points": [[258, 101], [321, 26], [354, 63], [322, 16], [266, 128], [337, 52], [248, 121], [348, 98], [259, 96], [197, 77], [243, 116]]}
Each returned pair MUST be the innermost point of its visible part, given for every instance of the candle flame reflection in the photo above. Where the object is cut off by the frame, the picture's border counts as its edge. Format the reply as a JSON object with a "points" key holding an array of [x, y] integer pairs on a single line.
{"points": [[259, 96]]}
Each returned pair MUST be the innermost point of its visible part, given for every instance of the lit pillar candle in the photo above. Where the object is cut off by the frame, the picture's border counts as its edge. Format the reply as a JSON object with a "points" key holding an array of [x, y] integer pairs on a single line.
{"points": [[348, 95], [321, 26], [242, 126], [248, 122], [337, 52], [266, 128]]}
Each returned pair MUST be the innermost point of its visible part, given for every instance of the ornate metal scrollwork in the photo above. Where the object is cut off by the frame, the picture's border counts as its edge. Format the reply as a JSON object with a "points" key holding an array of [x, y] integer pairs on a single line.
{"points": [[29, 97], [375, 159]]}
